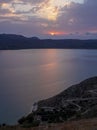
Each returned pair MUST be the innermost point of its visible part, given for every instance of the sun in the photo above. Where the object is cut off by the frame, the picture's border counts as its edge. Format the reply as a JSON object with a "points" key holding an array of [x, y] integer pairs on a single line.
{"points": [[52, 33]]}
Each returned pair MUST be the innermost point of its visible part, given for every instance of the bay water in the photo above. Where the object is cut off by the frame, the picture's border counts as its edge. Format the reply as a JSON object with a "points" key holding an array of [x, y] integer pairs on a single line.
{"points": [[27, 76]]}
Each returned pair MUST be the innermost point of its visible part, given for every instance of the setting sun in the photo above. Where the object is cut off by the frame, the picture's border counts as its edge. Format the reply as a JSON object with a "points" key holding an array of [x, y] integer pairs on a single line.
{"points": [[52, 33]]}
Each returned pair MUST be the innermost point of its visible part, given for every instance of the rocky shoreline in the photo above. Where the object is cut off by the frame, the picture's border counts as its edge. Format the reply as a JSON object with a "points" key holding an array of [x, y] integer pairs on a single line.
{"points": [[77, 102]]}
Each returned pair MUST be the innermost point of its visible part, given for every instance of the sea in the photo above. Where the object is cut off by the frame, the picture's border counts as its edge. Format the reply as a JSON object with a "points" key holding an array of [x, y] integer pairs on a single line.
{"points": [[27, 76]]}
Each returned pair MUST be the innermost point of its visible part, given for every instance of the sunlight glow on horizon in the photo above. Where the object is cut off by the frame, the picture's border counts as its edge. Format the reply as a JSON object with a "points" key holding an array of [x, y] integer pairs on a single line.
{"points": [[54, 33]]}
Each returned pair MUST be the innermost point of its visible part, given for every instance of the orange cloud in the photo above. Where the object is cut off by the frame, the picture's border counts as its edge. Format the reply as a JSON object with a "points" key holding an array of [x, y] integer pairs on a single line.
{"points": [[48, 10]]}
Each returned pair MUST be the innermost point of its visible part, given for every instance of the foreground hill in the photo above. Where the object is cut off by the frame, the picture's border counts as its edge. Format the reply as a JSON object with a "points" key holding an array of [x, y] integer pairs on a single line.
{"points": [[12, 41], [73, 109], [85, 124], [77, 102]]}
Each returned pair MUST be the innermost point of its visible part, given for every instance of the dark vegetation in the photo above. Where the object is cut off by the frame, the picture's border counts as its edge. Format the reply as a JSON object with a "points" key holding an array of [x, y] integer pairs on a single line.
{"points": [[12, 41], [77, 102]]}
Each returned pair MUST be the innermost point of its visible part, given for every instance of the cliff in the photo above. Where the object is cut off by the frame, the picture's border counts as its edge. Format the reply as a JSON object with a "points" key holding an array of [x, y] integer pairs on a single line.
{"points": [[77, 102]]}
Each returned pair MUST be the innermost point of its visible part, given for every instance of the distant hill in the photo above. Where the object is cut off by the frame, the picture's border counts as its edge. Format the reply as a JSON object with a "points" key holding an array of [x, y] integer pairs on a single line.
{"points": [[12, 41], [77, 102]]}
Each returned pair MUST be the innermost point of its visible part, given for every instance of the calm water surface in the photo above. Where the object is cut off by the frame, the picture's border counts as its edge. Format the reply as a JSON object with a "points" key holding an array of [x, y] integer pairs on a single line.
{"points": [[27, 76]]}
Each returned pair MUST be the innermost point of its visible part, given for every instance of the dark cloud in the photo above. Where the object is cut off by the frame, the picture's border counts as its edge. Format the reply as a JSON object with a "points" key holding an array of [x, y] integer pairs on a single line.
{"points": [[5, 1], [79, 17], [27, 28], [4, 11]]}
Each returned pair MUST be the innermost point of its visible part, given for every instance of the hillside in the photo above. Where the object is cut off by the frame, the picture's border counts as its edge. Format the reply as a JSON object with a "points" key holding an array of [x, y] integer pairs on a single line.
{"points": [[85, 124], [73, 109], [77, 102], [12, 42]]}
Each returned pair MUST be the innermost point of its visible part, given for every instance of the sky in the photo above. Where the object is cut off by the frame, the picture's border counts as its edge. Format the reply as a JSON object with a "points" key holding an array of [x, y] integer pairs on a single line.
{"points": [[49, 18]]}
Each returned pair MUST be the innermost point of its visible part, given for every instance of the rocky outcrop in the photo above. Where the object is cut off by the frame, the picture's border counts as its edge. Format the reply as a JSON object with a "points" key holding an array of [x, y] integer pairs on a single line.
{"points": [[77, 102]]}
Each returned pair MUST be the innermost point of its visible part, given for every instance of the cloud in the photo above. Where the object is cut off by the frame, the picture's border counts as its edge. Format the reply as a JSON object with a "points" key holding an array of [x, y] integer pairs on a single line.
{"points": [[44, 16], [5, 1], [79, 17], [40, 8]]}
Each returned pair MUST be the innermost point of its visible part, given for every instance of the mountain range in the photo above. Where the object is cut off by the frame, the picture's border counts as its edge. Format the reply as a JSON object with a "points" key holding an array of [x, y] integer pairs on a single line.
{"points": [[13, 42]]}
